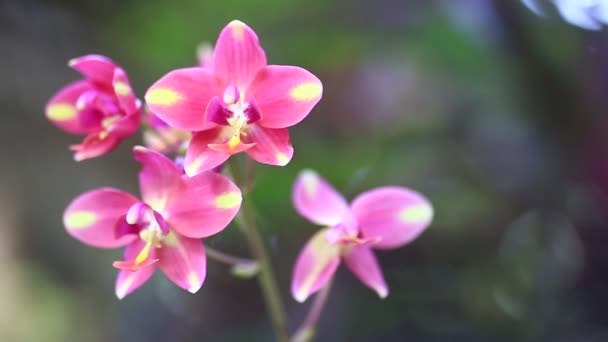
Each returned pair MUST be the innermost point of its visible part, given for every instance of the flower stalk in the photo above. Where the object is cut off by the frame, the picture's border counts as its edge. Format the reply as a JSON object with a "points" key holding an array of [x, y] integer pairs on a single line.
{"points": [[266, 278], [307, 331]]}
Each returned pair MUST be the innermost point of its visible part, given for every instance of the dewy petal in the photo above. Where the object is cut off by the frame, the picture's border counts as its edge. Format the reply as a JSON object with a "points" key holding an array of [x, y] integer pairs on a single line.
{"points": [[92, 217], [285, 94], [200, 157], [396, 215], [97, 68], [238, 55], [314, 267], [62, 111], [180, 98], [95, 145], [124, 92], [362, 262], [204, 205], [129, 281], [159, 177], [183, 261], [272, 146], [315, 199]]}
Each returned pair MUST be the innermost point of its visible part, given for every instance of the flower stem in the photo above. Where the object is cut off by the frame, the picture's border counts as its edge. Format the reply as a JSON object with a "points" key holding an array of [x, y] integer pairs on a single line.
{"points": [[226, 258], [306, 331], [266, 278]]}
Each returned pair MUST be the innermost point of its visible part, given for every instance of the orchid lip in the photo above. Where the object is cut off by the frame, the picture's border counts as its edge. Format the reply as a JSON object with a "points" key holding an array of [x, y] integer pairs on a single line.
{"points": [[234, 112], [151, 227]]}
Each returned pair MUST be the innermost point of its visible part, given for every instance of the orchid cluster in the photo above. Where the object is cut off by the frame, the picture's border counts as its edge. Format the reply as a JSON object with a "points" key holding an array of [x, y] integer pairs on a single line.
{"points": [[194, 121]]}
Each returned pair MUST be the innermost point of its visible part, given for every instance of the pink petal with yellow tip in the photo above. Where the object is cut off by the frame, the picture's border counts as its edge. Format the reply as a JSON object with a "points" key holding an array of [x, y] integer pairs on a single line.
{"points": [[124, 92], [159, 177], [180, 98], [396, 215], [200, 157], [285, 94], [97, 68], [315, 199], [183, 261], [362, 262], [314, 267], [272, 146], [204, 205], [93, 216], [95, 145], [238, 55], [129, 281], [62, 109]]}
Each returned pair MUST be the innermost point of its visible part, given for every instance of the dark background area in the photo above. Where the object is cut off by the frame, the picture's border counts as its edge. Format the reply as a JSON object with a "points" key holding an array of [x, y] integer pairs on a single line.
{"points": [[497, 115]]}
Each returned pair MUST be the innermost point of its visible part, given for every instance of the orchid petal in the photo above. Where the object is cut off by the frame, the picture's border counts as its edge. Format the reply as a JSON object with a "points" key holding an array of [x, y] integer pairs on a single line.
{"points": [[396, 215], [314, 267], [183, 261], [238, 55], [272, 146], [129, 281], [124, 92], [180, 98], [62, 110], [200, 157], [95, 145], [285, 94], [316, 200], [126, 125], [92, 217], [97, 68], [216, 112], [204, 205], [362, 262], [159, 177], [228, 148]]}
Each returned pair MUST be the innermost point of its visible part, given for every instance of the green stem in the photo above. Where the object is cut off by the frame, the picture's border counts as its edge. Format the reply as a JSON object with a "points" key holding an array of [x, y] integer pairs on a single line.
{"points": [[266, 278], [306, 332], [226, 258]]}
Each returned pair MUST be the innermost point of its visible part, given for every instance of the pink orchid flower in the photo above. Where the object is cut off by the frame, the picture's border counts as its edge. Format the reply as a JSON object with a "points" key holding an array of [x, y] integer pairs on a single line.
{"points": [[102, 107], [382, 218], [236, 103], [164, 230]]}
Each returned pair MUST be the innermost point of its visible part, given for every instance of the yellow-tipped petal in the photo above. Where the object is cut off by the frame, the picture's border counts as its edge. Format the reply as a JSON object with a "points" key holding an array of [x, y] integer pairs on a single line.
{"points": [[122, 88], [416, 214], [80, 220], [228, 200], [61, 112], [194, 282], [282, 158], [306, 91], [162, 97], [310, 181], [238, 29]]}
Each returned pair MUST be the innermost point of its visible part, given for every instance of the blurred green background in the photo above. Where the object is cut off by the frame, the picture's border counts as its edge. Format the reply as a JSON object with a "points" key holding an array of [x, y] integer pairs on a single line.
{"points": [[497, 115]]}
